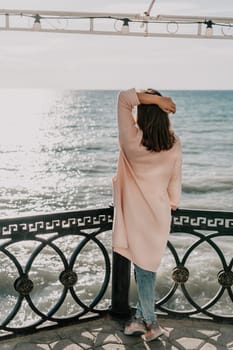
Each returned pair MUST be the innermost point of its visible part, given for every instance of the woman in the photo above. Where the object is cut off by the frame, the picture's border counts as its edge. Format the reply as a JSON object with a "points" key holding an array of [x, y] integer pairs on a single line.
{"points": [[147, 186]]}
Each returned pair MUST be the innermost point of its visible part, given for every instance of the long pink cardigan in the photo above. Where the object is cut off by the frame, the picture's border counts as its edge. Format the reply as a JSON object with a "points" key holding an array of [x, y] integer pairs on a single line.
{"points": [[147, 184]]}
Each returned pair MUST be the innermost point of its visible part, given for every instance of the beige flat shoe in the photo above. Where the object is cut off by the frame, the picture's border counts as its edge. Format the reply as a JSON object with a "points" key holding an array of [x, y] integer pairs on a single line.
{"points": [[154, 332], [135, 327]]}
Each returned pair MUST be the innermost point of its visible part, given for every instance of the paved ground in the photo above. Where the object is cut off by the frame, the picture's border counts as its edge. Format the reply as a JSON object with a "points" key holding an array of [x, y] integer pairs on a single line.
{"points": [[107, 334]]}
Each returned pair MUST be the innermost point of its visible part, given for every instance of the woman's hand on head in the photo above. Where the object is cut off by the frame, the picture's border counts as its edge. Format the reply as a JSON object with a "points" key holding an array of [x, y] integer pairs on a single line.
{"points": [[166, 104]]}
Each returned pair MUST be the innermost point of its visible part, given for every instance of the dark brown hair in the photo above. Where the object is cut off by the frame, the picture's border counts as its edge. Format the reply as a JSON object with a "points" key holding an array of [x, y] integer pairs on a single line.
{"points": [[155, 126]]}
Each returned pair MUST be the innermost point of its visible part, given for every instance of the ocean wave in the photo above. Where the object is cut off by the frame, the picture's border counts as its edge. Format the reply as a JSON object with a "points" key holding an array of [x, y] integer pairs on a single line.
{"points": [[208, 187]]}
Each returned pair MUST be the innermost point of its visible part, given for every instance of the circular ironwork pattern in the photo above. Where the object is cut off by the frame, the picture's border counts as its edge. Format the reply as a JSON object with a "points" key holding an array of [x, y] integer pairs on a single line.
{"points": [[23, 285], [68, 278], [225, 278], [180, 274]]}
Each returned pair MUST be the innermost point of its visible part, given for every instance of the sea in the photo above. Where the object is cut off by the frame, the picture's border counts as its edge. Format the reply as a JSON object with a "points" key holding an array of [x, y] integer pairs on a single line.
{"points": [[59, 150]]}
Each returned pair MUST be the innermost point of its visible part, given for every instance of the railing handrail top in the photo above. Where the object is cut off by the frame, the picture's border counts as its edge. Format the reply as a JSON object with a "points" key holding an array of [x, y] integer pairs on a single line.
{"points": [[79, 212]]}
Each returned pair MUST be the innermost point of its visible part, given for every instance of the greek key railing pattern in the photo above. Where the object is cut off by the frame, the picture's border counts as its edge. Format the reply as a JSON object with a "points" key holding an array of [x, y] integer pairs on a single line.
{"points": [[40, 241]]}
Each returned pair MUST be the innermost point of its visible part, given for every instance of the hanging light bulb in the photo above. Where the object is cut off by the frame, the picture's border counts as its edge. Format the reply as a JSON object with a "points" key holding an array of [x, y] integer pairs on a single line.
{"points": [[125, 26], [37, 24], [209, 28]]}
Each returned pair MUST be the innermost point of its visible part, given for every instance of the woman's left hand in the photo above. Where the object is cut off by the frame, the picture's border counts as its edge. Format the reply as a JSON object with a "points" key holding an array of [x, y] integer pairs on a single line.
{"points": [[166, 104]]}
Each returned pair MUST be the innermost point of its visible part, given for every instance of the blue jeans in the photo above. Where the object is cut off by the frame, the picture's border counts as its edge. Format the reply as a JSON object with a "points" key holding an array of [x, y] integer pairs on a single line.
{"points": [[145, 281]]}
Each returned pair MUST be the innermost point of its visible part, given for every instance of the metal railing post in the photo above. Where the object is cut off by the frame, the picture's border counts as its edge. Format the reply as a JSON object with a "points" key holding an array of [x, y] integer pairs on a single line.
{"points": [[120, 286]]}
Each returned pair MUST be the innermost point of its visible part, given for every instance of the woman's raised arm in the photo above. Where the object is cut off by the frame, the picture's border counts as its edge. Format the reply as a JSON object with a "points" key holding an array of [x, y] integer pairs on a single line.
{"points": [[164, 102]]}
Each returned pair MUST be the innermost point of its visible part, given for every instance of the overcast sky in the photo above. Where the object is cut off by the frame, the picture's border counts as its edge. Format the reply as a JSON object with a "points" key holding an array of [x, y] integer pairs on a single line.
{"points": [[61, 61]]}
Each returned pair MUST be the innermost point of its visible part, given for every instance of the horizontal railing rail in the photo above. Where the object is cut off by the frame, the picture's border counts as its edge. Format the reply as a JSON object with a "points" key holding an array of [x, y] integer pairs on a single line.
{"points": [[56, 268]]}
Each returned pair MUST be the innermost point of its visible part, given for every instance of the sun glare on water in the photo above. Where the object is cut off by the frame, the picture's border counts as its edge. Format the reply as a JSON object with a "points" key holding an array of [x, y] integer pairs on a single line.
{"points": [[25, 127], [21, 116]]}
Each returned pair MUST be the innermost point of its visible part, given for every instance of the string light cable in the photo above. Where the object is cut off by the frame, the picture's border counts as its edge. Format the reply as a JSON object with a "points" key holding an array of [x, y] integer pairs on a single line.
{"points": [[144, 20]]}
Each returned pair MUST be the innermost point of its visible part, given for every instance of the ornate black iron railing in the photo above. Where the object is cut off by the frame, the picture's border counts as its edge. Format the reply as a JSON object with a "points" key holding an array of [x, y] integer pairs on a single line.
{"points": [[56, 268], [214, 230], [47, 264]]}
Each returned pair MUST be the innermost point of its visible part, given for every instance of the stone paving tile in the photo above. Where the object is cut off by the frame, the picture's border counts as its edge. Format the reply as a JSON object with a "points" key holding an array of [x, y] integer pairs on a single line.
{"points": [[7, 345], [217, 335], [31, 346], [209, 346], [226, 336], [84, 338], [190, 343], [111, 347], [43, 337], [108, 334], [65, 344]]}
